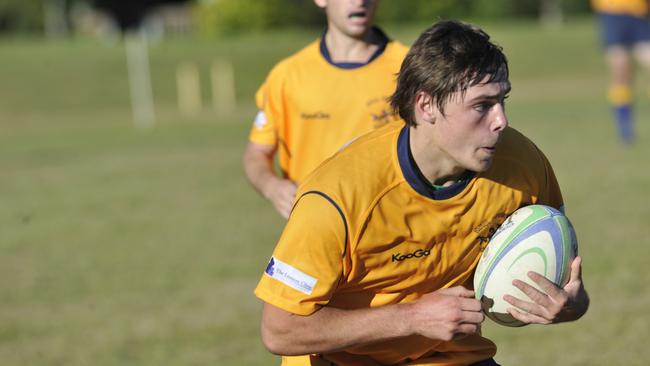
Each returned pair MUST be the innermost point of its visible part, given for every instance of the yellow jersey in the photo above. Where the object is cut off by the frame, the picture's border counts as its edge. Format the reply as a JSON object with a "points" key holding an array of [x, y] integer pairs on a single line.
{"points": [[367, 230], [629, 7], [309, 107]]}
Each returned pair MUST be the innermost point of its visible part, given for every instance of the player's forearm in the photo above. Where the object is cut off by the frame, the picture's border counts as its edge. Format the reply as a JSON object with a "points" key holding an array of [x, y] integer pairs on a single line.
{"points": [[330, 329], [258, 168]]}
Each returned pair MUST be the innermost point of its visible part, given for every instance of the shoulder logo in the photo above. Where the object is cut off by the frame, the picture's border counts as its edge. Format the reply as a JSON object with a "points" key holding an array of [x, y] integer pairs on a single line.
{"points": [[260, 120], [290, 276], [398, 257], [269, 269]]}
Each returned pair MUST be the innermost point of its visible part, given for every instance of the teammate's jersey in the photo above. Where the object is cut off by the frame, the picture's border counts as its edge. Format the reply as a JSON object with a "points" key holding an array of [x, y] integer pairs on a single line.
{"points": [[629, 7], [310, 108], [367, 230]]}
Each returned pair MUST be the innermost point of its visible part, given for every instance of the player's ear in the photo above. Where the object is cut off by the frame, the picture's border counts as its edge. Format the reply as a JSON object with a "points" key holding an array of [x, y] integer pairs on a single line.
{"points": [[321, 3], [425, 107]]}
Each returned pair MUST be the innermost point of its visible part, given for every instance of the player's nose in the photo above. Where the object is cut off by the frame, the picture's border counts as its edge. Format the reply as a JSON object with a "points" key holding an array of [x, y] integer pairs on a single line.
{"points": [[499, 118]]}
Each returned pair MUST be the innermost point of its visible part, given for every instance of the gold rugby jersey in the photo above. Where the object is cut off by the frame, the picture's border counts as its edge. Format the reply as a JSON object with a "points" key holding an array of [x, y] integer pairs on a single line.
{"points": [[368, 230], [630, 7], [310, 107]]}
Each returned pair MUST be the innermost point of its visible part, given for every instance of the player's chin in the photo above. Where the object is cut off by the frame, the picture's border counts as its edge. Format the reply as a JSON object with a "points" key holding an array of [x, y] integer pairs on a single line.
{"points": [[358, 28], [483, 160], [482, 164]]}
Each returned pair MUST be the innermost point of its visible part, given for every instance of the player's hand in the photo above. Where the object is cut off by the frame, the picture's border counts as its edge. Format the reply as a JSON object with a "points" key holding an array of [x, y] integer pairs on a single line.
{"points": [[281, 193], [447, 314], [554, 304]]}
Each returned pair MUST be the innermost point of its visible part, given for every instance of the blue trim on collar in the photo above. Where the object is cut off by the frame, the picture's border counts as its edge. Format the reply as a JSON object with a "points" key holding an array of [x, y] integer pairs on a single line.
{"points": [[354, 65], [416, 179]]}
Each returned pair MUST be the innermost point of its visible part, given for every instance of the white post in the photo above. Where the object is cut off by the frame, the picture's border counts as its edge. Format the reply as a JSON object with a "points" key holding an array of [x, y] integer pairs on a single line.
{"points": [[188, 88], [223, 87], [137, 57], [551, 13]]}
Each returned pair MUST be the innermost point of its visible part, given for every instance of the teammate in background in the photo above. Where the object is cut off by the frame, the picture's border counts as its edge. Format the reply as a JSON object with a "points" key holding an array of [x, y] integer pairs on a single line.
{"points": [[320, 98], [375, 264], [625, 34]]}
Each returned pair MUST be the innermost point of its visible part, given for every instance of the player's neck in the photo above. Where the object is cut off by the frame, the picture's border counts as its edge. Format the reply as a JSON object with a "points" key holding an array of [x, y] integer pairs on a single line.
{"points": [[343, 48], [433, 163]]}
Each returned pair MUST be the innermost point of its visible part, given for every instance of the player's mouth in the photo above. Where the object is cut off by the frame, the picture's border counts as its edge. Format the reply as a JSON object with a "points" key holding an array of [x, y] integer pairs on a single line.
{"points": [[489, 149], [358, 15]]}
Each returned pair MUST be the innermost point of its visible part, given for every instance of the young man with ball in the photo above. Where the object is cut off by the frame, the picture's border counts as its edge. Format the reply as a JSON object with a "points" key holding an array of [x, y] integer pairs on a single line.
{"points": [[321, 98], [375, 264]]}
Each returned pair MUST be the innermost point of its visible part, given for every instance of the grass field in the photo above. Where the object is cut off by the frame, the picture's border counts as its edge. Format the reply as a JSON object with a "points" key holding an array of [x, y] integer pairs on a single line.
{"points": [[127, 247]]}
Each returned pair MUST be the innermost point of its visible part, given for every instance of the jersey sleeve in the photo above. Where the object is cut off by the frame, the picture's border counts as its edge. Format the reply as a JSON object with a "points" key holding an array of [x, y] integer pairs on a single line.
{"points": [[307, 263], [550, 193], [269, 101]]}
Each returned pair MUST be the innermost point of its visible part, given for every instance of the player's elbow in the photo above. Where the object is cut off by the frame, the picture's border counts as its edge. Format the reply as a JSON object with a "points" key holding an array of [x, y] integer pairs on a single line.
{"points": [[257, 162], [281, 342], [276, 330], [272, 340], [258, 154]]}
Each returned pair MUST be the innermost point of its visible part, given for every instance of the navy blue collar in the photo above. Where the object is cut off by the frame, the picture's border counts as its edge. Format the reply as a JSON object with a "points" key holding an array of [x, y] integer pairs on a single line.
{"points": [[416, 179], [383, 41]]}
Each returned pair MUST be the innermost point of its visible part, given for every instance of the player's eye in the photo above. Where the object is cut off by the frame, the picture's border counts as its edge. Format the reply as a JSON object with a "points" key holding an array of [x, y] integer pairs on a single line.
{"points": [[483, 107]]}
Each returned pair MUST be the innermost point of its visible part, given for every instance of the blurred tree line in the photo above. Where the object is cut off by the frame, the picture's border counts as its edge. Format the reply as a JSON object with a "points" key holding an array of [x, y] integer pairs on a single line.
{"points": [[235, 16], [21, 15], [31, 16]]}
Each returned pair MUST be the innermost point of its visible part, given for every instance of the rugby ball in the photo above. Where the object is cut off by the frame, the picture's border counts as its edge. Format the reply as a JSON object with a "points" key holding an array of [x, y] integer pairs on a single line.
{"points": [[534, 238]]}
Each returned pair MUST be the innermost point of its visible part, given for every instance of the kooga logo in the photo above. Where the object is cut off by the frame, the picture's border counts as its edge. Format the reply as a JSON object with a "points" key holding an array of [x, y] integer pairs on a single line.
{"points": [[417, 254]]}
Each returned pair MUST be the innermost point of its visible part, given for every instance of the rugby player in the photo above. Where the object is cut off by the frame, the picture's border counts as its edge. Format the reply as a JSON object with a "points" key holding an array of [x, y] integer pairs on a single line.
{"points": [[317, 100], [375, 264], [625, 37]]}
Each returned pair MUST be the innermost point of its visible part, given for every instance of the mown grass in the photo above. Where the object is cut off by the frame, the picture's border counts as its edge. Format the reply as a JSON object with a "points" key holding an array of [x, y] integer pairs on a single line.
{"points": [[122, 246]]}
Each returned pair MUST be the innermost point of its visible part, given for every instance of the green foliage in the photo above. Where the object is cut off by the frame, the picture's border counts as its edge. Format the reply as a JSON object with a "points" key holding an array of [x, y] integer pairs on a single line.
{"points": [[21, 15], [426, 11], [218, 17], [504, 8], [236, 16], [575, 6], [524, 8]]}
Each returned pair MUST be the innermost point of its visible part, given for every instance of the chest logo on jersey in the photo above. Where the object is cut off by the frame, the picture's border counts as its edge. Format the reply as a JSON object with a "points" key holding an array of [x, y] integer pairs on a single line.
{"points": [[315, 115], [381, 118], [379, 112], [486, 229], [398, 257]]}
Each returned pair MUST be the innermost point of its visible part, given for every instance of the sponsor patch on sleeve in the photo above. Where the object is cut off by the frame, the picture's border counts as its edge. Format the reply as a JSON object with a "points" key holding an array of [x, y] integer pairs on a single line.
{"points": [[290, 276], [260, 120]]}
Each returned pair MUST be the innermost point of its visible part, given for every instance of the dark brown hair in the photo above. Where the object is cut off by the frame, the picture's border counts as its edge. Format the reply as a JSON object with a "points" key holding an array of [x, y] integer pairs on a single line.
{"points": [[449, 56]]}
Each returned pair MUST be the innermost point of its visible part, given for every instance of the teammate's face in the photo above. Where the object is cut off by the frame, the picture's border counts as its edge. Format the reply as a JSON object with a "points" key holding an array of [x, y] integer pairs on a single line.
{"points": [[353, 18], [471, 126]]}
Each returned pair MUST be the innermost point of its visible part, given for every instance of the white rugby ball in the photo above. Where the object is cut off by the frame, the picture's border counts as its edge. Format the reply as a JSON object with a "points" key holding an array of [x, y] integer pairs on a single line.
{"points": [[534, 238]]}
